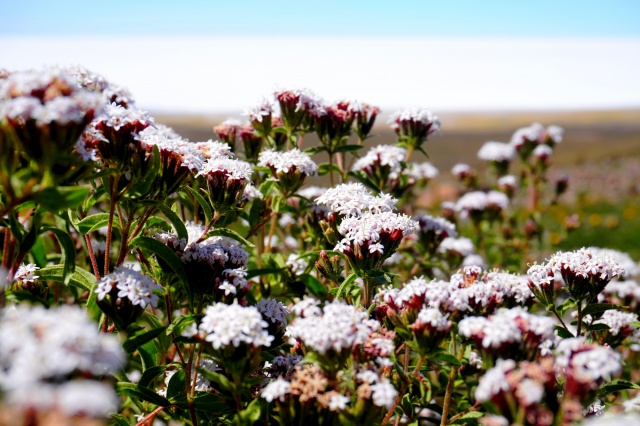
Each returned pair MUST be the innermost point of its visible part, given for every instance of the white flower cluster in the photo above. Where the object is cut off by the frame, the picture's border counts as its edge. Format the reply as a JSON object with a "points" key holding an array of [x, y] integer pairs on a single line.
{"points": [[432, 318], [116, 116], [43, 345], [382, 156], [510, 286], [587, 362], [131, 284], [46, 96], [538, 134], [416, 115], [616, 320], [273, 310], [337, 327], [257, 112], [276, 390], [233, 169], [97, 83], [224, 325], [298, 265], [631, 268], [437, 225], [478, 201], [496, 151], [461, 246], [421, 171], [189, 155], [351, 199], [507, 326], [288, 162], [26, 273], [584, 264], [494, 380], [368, 227], [508, 181], [624, 289]]}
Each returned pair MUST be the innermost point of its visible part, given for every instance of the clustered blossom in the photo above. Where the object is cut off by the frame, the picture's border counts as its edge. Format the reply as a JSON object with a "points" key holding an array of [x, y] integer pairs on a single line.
{"points": [[415, 125], [526, 139], [26, 274], [479, 204], [46, 111], [41, 350], [128, 283], [496, 151], [508, 333], [420, 172], [433, 230], [273, 311], [296, 264], [586, 365], [214, 265], [519, 387], [386, 160], [351, 199], [111, 93], [226, 180], [619, 324], [584, 273], [335, 328], [372, 237], [289, 168], [630, 267], [247, 326]]}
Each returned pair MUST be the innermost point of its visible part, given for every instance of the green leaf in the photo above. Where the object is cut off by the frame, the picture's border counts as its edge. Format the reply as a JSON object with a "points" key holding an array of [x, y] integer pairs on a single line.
{"points": [[598, 327], [563, 332], [92, 223], [119, 419], [472, 415], [616, 386], [221, 380], [177, 384], [230, 233], [179, 322], [140, 338], [61, 197], [263, 271], [315, 150], [79, 278], [348, 148], [206, 208], [635, 324], [175, 220], [93, 198], [448, 358], [346, 283], [145, 394], [164, 253], [68, 252], [314, 285], [325, 169], [597, 308], [143, 186], [150, 374]]}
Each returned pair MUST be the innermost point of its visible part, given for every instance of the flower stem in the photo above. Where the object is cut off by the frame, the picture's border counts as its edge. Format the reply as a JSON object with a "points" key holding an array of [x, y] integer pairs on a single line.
{"points": [[463, 412], [147, 420], [92, 256], [447, 396], [112, 209], [579, 318]]}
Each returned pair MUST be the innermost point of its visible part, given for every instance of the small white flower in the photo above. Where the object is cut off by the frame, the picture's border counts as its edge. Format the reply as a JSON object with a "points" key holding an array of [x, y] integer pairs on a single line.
{"points": [[276, 390]]}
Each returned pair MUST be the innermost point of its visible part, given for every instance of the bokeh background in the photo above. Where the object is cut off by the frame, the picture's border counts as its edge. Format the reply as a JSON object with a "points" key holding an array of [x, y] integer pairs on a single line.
{"points": [[486, 68]]}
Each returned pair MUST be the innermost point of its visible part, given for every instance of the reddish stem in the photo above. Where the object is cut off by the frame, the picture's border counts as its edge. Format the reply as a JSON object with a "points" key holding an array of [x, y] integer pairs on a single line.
{"points": [[92, 256]]}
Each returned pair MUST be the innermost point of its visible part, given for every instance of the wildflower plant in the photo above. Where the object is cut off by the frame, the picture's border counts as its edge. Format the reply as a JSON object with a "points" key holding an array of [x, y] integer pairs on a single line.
{"points": [[147, 278]]}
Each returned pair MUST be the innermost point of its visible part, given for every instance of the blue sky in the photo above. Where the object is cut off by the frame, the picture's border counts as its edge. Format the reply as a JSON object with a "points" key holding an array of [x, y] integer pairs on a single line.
{"points": [[584, 18]]}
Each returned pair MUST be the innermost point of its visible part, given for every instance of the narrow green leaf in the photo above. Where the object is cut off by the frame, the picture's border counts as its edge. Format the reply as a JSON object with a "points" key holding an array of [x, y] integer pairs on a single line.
{"points": [[263, 271], [563, 332], [325, 169], [68, 251], [348, 281], [597, 308], [224, 383], [163, 252], [145, 394], [179, 322], [175, 220], [177, 384], [448, 358], [206, 208], [315, 150], [348, 148], [230, 233], [140, 338], [93, 223], [61, 197], [616, 386], [79, 278], [314, 285], [150, 374]]}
